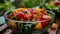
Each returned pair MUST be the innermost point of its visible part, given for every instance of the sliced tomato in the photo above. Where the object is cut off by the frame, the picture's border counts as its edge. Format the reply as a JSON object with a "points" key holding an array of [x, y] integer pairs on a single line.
{"points": [[45, 17]]}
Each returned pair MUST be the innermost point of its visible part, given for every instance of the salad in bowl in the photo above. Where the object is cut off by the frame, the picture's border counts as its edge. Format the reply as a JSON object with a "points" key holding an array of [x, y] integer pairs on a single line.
{"points": [[29, 20], [54, 7]]}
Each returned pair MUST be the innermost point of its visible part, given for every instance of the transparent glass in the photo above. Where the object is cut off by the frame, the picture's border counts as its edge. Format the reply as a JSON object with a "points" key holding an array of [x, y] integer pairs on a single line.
{"points": [[23, 27]]}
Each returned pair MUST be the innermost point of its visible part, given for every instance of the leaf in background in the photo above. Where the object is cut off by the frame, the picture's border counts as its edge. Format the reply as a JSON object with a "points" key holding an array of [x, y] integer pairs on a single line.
{"points": [[59, 9], [22, 5], [2, 9], [42, 3], [37, 2], [31, 3], [47, 1], [2, 5], [5, 6], [28, 4]]}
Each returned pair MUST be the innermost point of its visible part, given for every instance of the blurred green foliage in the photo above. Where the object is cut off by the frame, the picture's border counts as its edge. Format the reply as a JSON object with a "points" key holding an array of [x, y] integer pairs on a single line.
{"points": [[5, 5], [31, 3]]}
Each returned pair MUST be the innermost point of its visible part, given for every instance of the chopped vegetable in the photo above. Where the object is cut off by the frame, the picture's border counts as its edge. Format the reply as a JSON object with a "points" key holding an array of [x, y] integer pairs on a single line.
{"points": [[38, 26], [35, 19]]}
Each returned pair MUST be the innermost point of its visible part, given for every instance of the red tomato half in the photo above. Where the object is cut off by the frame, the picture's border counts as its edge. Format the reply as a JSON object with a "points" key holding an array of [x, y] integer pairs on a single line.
{"points": [[45, 17]]}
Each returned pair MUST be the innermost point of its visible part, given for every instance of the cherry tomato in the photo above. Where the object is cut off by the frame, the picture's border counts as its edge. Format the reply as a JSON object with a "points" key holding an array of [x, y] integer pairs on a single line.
{"points": [[27, 18], [20, 15], [44, 24], [33, 12], [56, 3]]}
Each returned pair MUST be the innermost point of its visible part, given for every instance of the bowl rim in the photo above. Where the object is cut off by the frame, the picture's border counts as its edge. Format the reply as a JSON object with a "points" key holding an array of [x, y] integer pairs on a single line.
{"points": [[5, 16]]}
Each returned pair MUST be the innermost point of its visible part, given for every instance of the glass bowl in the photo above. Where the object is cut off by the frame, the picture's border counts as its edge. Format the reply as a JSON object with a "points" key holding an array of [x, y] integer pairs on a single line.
{"points": [[23, 27]]}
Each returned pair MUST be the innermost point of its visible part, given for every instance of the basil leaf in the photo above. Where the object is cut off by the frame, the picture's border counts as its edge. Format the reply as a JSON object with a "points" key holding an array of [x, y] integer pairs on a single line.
{"points": [[14, 17]]}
